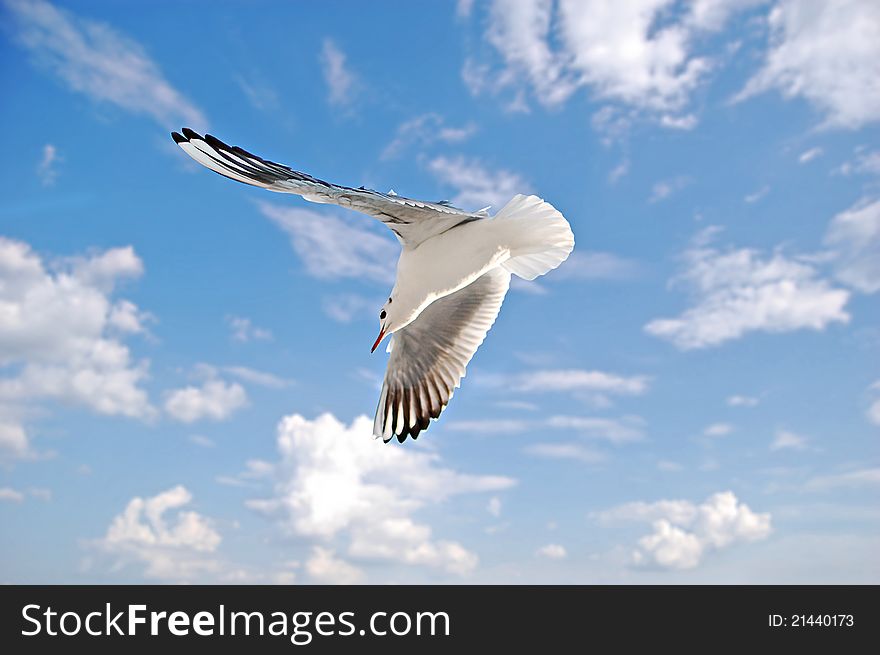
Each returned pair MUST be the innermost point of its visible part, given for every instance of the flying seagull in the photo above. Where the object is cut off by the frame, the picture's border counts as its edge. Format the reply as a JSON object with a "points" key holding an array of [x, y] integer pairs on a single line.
{"points": [[452, 275]]}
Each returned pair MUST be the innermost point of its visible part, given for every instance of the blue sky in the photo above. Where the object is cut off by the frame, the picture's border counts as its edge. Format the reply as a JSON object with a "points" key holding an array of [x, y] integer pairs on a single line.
{"points": [[693, 397]]}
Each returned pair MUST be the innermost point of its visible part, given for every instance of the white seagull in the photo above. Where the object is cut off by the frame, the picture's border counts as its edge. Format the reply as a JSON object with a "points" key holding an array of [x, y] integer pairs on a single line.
{"points": [[452, 275]]}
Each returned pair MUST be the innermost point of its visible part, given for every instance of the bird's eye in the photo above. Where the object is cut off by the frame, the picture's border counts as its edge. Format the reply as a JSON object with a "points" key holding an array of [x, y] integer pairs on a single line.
{"points": [[382, 314], [389, 301]]}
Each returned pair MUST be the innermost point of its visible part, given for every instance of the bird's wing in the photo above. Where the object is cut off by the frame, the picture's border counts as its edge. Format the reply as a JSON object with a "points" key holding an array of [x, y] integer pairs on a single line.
{"points": [[429, 356], [412, 221]]}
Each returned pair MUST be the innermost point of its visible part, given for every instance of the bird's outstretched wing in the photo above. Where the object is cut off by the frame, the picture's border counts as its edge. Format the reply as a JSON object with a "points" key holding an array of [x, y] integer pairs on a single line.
{"points": [[412, 221], [429, 356]]}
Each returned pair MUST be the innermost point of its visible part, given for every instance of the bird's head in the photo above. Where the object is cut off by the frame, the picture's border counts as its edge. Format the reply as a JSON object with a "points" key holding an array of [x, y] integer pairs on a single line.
{"points": [[388, 322]]}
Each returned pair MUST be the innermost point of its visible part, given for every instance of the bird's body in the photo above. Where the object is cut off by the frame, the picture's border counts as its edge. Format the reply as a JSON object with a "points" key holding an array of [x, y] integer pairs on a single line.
{"points": [[452, 275]]}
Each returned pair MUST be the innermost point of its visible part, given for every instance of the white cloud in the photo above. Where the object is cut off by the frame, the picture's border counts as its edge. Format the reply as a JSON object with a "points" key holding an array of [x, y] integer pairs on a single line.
{"points": [[718, 430], [423, 131], [854, 235], [346, 307], [260, 378], [494, 506], [488, 426], [683, 533], [785, 440], [244, 330], [640, 54], [619, 171], [577, 380], [176, 548], [752, 198], [476, 186], [104, 64], [341, 82], [742, 401], [335, 480], [215, 400], [873, 412], [809, 155], [850, 480], [739, 291], [593, 265], [552, 551], [47, 169], [662, 190], [258, 92], [569, 450], [331, 247], [866, 162], [60, 336], [10, 495], [326, 568], [826, 51], [202, 440], [617, 431]]}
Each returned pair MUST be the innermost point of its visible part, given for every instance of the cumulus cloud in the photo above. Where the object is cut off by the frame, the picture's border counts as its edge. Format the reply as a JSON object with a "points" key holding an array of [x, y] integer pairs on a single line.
{"points": [[475, 185], [683, 532], [423, 131], [324, 567], [740, 291], [334, 481], [639, 54], [827, 52], [854, 236], [92, 58], [61, 335], [171, 543], [341, 82], [331, 247], [214, 399]]}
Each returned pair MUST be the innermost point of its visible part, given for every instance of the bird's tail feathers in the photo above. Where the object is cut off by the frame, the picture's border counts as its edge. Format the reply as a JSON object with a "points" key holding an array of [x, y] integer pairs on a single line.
{"points": [[541, 237]]}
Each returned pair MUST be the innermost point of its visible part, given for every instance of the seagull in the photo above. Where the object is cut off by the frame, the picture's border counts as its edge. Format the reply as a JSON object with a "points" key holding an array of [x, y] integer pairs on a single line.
{"points": [[452, 274]]}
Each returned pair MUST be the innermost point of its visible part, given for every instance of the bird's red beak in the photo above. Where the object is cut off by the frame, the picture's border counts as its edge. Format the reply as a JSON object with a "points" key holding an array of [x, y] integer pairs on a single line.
{"points": [[378, 340]]}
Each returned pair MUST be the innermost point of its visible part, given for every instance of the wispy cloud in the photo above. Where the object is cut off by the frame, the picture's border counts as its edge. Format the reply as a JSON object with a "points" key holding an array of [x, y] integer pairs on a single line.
{"points": [[743, 401], [552, 551], [95, 59], [332, 248], [244, 330], [809, 155], [342, 85], [665, 188], [423, 131], [740, 291], [475, 185], [567, 450], [752, 198], [47, 170], [826, 53], [854, 235], [786, 440]]}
